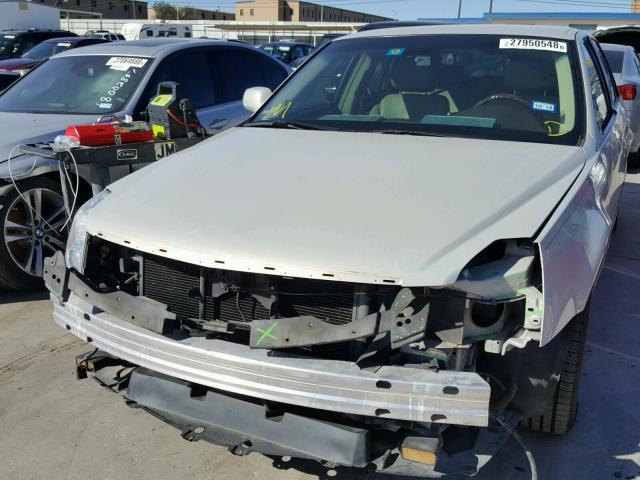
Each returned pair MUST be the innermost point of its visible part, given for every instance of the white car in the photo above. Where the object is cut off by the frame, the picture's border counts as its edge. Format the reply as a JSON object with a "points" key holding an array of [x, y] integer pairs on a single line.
{"points": [[396, 251], [625, 66]]}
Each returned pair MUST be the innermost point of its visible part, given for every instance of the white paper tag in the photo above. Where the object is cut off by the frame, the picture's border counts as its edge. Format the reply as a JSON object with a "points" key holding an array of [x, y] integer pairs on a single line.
{"points": [[125, 63], [534, 44]]}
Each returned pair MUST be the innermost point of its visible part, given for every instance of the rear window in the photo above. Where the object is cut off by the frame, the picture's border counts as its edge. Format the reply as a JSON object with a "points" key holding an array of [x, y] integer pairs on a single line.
{"points": [[615, 59]]}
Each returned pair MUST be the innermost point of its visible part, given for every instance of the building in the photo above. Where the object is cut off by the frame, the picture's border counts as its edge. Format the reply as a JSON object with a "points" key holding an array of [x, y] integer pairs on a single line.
{"points": [[191, 13], [635, 6], [297, 11], [105, 8]]}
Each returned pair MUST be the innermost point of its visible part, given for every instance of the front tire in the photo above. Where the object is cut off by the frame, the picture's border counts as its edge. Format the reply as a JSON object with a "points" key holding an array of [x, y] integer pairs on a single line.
{"points": [[560, 414], [30, 229]]}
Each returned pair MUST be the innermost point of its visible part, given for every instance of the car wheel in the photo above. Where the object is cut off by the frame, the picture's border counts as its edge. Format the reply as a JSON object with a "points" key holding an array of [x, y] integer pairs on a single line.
{"points": [[30, 222], [560, 414], [633, 160]]}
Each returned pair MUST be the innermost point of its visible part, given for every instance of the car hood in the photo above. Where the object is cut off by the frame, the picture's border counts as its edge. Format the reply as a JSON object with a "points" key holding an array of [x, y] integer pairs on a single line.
{"points": [[18, 63], [33, 128], [360, 207]]}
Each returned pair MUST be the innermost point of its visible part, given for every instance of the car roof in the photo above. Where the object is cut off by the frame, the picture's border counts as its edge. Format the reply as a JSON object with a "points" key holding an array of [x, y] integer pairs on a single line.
{"points": [[64, 39], [152, 47], [563, 33], [20, 31], [286, 42]]}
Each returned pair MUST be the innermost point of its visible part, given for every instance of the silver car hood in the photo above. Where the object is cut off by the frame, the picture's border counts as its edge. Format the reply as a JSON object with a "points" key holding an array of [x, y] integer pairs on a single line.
{"points": [[356, 207], [21, 128]]}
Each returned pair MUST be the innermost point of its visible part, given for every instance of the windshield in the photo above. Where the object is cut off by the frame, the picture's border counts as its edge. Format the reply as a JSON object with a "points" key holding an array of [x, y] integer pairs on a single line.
{"points": [[483, 86], [89, 84], [282, 52], [46, 50], [6, 44]]}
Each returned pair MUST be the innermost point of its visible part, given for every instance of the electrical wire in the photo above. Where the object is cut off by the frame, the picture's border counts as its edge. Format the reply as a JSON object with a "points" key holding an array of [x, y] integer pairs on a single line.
{"points": [[238, 307], [516, 436], [75, 191]]}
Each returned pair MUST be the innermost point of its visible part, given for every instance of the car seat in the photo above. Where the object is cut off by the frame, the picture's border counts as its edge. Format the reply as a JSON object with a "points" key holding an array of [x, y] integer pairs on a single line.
{"points": [[531, 80], [414, 97]]}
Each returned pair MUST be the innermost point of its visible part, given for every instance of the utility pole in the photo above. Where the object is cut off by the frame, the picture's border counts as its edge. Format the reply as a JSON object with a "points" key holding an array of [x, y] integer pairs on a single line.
{"points": [[322, 11], [133, 4], [490, 6], [459, 8]]}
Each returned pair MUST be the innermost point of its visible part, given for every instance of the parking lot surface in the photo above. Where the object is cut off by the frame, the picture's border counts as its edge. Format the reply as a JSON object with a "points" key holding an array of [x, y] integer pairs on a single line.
{"points": [[54, 427]]}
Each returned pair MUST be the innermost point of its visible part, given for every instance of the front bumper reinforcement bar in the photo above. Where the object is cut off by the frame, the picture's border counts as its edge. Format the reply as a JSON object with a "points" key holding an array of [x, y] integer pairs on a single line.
{"points": [[393, 392]]}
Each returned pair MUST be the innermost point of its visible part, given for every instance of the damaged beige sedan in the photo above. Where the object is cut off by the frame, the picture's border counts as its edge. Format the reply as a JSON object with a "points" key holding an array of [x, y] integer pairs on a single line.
{"points": [[394, 253]]}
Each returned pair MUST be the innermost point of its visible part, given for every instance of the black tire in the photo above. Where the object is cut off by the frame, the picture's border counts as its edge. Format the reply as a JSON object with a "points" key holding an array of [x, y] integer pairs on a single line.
{"points": [[633, 160], [560, 414], [12, 276]]}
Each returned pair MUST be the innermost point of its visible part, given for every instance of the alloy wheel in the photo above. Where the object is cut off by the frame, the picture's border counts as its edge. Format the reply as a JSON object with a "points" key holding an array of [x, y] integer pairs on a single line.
{"points": [[32, 228]]}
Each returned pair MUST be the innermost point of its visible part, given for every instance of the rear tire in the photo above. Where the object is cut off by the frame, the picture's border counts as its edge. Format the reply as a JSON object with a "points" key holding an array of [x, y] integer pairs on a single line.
{"points": [[560, 414]]}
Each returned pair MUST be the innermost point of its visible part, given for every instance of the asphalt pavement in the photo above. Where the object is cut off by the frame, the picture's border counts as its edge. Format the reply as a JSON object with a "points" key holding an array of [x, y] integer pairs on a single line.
{"points": [[55, 427]]}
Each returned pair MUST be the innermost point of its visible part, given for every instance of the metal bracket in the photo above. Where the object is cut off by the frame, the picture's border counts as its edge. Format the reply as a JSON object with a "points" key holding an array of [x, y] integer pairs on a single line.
{"points": [[309, 330], [519, 339], [141, 311]]}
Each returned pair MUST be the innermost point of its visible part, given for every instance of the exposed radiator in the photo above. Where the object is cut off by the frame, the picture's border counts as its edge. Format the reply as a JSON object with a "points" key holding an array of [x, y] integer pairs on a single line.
{"points": [[171, 282]]}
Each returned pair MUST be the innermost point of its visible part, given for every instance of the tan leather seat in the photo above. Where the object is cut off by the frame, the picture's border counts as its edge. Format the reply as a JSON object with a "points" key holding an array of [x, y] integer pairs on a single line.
{"points": [[415, 97]]}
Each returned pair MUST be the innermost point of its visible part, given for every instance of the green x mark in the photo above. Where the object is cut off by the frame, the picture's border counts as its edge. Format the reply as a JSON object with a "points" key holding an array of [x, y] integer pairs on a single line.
{"points": [[266, 333]]}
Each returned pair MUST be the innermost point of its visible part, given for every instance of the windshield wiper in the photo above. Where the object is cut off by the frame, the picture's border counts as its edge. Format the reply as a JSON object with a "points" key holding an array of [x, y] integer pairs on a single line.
{"points": [[391, 131], [285, 124]]}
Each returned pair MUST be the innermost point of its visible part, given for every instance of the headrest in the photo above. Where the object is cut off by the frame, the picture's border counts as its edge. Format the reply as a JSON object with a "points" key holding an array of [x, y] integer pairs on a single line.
{"points": [[527, 72], [409, 77]]}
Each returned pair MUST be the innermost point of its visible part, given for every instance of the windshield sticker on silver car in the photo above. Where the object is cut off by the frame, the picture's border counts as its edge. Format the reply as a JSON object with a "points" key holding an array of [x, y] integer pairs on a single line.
{"points": [[534, 44], [543, 106], [395, 52], [125, 63]]}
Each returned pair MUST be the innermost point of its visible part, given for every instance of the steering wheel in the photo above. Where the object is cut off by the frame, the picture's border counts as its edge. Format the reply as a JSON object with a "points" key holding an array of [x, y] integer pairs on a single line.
{"points": [[498, 97], [520, 102]]}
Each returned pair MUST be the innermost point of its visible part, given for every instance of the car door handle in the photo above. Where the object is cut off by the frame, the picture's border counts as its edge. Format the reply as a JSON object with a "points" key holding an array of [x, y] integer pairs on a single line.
{"points": [[218, 123]]}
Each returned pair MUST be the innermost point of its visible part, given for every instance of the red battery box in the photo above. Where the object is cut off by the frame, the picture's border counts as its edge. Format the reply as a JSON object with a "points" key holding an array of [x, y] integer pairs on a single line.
{"points": [[113, 133]]}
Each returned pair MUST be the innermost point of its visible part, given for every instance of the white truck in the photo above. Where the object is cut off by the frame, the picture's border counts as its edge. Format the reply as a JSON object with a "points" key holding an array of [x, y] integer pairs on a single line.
{"points": [[138, 31], [22, 15]]}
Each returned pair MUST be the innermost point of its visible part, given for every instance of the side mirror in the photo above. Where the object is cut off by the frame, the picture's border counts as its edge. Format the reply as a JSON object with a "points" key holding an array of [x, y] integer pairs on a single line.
{"points": [[255, 97]]}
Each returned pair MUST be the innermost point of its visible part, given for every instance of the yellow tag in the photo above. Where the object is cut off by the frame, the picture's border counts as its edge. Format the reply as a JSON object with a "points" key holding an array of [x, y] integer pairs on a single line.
{"points": [[158, 130], [23, 6], [161, 100]]}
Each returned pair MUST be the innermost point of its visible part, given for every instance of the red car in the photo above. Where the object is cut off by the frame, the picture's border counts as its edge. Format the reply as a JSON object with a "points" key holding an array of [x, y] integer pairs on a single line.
{"points": [[44, 50]]}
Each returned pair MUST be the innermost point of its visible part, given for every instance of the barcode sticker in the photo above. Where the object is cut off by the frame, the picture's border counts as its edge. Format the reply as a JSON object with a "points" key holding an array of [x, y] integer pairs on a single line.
{"points": [[125, 63], [534, 44]]}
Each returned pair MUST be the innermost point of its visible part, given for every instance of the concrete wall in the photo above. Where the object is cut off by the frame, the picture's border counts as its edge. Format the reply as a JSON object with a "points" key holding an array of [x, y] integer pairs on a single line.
{"points": [[262, 11], [298, 11], [197, 14], [255, 34]]}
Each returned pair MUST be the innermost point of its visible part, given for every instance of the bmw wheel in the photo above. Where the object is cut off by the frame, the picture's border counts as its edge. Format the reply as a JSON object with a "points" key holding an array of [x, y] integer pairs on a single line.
{"points": [[30, 221]]}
